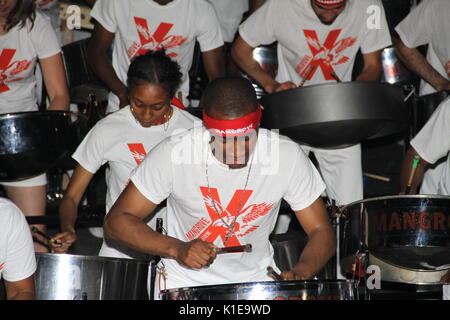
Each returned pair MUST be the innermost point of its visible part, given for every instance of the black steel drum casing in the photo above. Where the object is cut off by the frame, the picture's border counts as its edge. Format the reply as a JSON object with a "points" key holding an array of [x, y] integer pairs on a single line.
{"points": [[268, 290], [411, 232], [33, 142], [336, 115]]}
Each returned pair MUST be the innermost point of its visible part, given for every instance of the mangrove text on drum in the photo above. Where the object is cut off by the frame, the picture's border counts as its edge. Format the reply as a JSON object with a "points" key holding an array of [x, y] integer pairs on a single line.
{"points": [[438, 221]]}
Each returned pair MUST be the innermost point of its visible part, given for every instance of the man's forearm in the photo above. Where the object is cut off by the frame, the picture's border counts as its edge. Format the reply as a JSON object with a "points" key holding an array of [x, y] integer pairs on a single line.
{"points": [[416, 62], [407, 172], [136, 234], [319, 249]]}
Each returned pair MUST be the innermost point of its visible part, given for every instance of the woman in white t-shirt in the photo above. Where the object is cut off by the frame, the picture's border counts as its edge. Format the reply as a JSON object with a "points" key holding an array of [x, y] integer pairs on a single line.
{"points": [[17, 259], [123, 139], [26, 38]]}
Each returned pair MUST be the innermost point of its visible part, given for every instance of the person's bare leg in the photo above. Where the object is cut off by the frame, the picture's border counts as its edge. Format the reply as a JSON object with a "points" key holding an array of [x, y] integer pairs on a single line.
{"points": [[32, 201]]}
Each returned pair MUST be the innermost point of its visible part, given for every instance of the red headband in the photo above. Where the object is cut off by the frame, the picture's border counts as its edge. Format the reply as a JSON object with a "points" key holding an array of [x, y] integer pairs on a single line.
{"points": [[329, 3], [235, 127]]}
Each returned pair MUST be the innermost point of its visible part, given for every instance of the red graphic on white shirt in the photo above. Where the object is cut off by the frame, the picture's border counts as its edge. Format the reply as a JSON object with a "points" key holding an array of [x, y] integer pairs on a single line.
{"points": [[154, 41], [210, 230], [9, 69], [137, 151], [447, 68], [1, 266], [324, 56]]}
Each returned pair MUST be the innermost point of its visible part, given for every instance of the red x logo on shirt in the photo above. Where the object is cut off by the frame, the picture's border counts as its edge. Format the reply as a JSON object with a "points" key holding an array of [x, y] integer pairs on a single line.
{"points": [[9, 69], [155, 41], [324, 56], [235, 211]]}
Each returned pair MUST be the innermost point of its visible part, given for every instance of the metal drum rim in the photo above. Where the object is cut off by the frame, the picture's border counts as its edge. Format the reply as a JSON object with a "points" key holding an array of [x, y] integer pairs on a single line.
{"points": [[411, 196], [248, 284], [56, 256], [408, 268], [325, 85], [14, 114]]}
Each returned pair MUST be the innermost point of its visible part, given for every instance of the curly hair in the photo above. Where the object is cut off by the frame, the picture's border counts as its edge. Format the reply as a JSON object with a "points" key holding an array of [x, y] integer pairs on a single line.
{"points": [[22, 11], [155, 67]]}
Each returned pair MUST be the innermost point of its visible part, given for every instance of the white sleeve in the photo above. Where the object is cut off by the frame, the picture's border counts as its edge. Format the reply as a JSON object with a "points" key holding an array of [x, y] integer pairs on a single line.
{"points": [[104, 11], [258, 28], [90, 152], [209, 34], [154, 176], [44, 37], [305, 184], [415, 30], [21, 261], [433, 140], [377, 35]]}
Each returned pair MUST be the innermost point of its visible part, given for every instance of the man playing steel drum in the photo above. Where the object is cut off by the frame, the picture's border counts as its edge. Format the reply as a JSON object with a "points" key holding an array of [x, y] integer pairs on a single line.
{"points": [[431, 145], [317, 43], [223, 183], [416, 30]]}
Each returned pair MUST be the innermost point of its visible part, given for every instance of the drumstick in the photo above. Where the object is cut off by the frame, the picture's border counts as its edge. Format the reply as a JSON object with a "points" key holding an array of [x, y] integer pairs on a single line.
{"points": [[415, 163], [310, 70], [273, 274], [236, 249], [335, 76], [49, 239], [377, 177]]}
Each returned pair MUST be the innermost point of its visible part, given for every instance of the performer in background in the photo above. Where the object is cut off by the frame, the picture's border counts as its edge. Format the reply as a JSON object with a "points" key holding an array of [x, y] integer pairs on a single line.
{"points": [[138, 26], [317, 43], [123, 139], [28, 38]]}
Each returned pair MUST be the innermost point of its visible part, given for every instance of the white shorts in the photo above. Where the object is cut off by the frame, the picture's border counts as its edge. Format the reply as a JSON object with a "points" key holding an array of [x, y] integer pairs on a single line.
{"points": [[36, 181]]}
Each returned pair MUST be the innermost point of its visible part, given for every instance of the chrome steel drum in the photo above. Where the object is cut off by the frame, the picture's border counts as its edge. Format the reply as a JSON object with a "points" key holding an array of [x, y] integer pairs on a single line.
{"points": [[266, 56], [33, 142], [268, 290], [74, 277], [336, 115], [394, 71], [406, 232]]}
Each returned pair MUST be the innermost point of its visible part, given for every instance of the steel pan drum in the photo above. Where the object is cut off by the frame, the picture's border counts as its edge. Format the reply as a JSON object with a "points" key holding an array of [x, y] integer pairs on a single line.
{"points": [[74, 277], [394, 71], [409, 232], [33, 142], [336, 115], [268, 290]]}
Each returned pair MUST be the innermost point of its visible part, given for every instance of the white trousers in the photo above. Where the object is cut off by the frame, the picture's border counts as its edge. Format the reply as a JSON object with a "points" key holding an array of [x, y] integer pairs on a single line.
{"points": [[341, 170]]}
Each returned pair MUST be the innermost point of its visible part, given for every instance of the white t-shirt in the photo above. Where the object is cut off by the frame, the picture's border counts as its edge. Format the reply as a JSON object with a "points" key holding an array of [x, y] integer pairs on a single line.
{"points": [[280, 169], [17, 259], [144, 25], [51, 9], [429, 23], [433, 143], [303, 41], [20, 50], [122, 142], [230, 15]]}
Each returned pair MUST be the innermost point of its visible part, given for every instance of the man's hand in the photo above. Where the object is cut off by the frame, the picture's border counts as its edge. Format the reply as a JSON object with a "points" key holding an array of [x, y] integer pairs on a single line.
{"points": [[277, 87], [195, 254], [63, 241], [293, 275], [443, 85]]}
